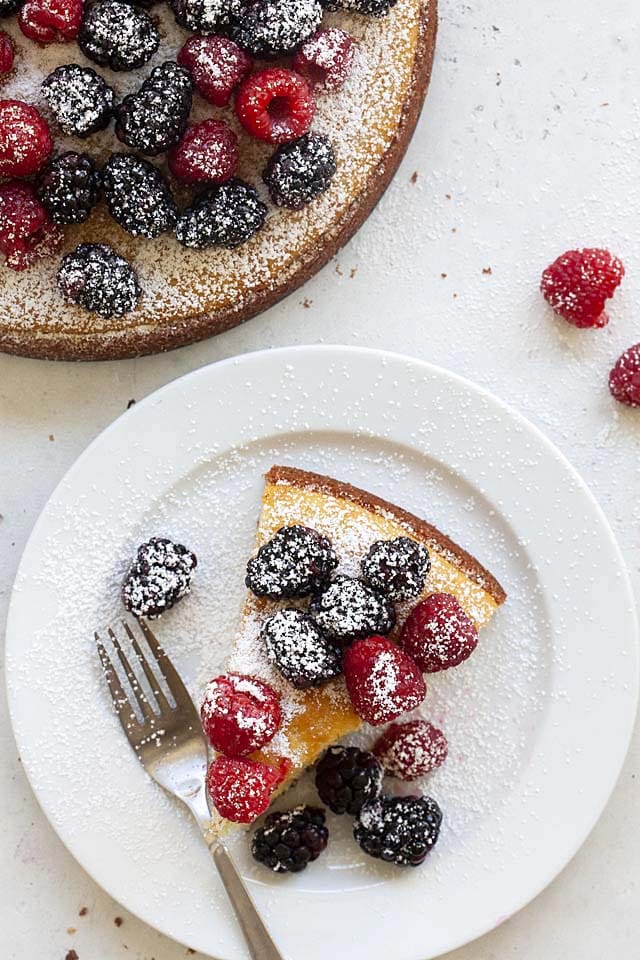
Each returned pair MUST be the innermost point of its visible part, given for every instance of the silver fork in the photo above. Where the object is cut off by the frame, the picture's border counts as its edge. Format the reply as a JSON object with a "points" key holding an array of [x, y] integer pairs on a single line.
{"points": [[169, 742]]}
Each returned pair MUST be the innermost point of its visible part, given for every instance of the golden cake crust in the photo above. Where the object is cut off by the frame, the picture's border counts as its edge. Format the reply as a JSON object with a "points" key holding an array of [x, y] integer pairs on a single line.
{"points": [[80, 337]]}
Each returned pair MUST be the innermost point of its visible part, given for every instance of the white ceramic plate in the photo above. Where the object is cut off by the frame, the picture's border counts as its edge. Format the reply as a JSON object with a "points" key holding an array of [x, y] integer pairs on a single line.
{"points": [[538, 719]]}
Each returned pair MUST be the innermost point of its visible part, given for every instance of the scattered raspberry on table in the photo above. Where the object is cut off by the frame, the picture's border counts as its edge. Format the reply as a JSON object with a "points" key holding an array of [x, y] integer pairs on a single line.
{"points": [[578, 284], [624, 379]]}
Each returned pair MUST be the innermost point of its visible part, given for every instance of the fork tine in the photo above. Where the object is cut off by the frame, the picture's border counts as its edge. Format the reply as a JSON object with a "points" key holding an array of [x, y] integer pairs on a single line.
{"points": [[156, 689], [177, 688], [121, 701], [138, 692]]}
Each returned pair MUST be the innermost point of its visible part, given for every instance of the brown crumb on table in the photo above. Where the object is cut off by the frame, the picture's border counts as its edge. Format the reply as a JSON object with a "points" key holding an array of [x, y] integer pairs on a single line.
{"points": [[130, 404], [454, 229], [455, 296], [353, 272], [339, 270], [190, 951], [414, 177], [444, 276], [51, 437], [118, 921], [448, 196], [487, 271], [71, 930], [306, 303], [72, 955], [83, 911]]}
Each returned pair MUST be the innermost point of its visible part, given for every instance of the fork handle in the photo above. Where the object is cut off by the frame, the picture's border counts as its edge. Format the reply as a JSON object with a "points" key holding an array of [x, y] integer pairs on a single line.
{"points": [[259, 942]]}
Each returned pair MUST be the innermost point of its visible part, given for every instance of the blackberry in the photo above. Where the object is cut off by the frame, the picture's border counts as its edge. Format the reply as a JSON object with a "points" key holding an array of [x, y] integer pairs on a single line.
{"points": [[300, 171], [204, 16], [290, 840], [297, 561], [138, 196], [347, 778], [370, 8], [69, 187], [96, 278], [80, 99], [118, 35], [7, 7], [298, 649], [400, 830], [155, 117], [226, 216], [272, 28], [397, 567], [350, 609], [159, 577]]}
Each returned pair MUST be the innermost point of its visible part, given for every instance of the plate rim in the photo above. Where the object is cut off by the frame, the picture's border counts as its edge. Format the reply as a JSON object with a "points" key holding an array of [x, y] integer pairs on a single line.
{"points": [[341, 353]]}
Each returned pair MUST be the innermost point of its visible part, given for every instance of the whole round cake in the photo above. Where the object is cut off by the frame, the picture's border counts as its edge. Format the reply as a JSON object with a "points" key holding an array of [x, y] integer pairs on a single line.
{"points": [[167, 173]]}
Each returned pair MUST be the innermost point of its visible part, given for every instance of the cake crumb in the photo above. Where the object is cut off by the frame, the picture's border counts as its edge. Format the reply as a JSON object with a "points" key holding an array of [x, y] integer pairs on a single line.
{"points": [[71, 931], [414, 177], [118, 921], [353, 272], [306, 303], [83, 911], [51, 437], [71, 955], [339, 270], [487, 271], [130, 404], [448, 196], [444, 276]]}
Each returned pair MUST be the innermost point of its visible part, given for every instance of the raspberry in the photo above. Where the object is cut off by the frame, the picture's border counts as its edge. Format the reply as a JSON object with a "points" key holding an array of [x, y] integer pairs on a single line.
{"points": [[25, 141], [349, 610], [80, 99], [578, 284], [159, 576], [297, 648], [411, 750], [296, 561], [226, 216], [438, 634], [299, 171], [207, 153], [69, 187], [138, 196], [6, 53], [624, 379], [217, 66], [397, 567], [95, 277], [291, 839], [382, 680], [27, 232], [325, 59], [118, 35], [155, 117], [239, 714], [241, 789], [400, 830], [347, 778], [204, 16], [275, 105], [51, 21]]}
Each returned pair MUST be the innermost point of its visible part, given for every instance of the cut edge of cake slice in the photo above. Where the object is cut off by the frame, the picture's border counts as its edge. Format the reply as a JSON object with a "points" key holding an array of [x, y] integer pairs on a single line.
{"points": [[352, 519]]}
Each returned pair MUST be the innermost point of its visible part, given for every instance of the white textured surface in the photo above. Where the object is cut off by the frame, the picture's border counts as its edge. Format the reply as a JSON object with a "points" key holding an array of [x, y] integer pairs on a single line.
{"points": [[534, 163]]}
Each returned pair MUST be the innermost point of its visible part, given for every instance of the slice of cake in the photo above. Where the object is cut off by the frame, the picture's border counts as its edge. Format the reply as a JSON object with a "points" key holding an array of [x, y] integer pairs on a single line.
{"points": [[352, 520]]}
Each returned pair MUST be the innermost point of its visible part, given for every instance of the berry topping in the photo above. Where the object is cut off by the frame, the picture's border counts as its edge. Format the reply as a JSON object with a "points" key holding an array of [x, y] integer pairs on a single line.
{"points": [[155, 117], [6, 53], [370, 8], [438, 634], [204, 16], [69, 187], [118, 35], [159, 576], [400, 830], [27, 232], [411, 750], [300, 171], [297, 561], [7, 7], [325, 59], [291, 839], [349, 609], [578, 284], [226, 216], [239, 714], [241, 789], [138, 197], [271, 28], [383, 682], [51, 21], [217, 66], [275, 105], [25, 141], [397, 567], [347, 778], [298, 649], [207, 153], [95, 277], [80, 99], [624, 379]]}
